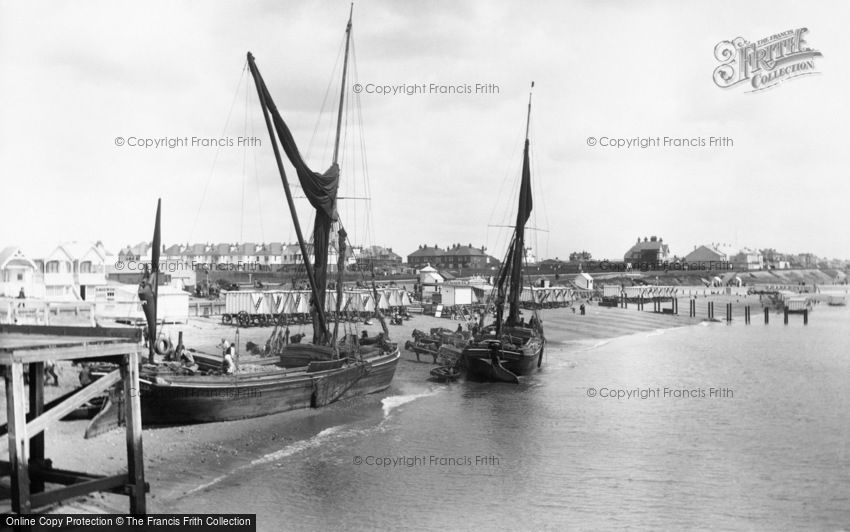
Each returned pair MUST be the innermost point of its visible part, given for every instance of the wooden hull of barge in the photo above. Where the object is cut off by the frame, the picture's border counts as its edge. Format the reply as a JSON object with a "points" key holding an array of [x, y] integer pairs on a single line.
{"points": [[204, 399], [519, 361]]}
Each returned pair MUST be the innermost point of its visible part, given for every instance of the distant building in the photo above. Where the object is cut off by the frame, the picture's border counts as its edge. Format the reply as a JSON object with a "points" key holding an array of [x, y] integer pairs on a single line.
{"points": [[456, 256], [652, 249], [73, 270], [706, 254], [139, 252], [748, 259], [426, 255], [378, 257], [18, 272]]}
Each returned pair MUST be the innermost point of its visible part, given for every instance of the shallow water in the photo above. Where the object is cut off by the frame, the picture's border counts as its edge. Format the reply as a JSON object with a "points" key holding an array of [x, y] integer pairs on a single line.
{"points": [[742, 427]]}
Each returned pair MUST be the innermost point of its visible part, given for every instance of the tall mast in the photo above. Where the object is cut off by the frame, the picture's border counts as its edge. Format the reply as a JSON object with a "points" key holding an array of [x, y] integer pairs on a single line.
{"points": [[341, 240], [342, 88], [523, 212], [528, 118]]}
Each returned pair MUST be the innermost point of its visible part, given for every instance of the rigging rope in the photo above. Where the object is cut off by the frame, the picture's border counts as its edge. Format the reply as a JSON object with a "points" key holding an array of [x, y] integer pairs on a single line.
{"points": [[217, 152]]}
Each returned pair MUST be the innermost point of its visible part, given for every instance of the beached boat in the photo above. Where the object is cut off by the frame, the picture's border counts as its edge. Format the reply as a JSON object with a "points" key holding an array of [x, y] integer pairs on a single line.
{"points": [[509, 347], [837, 301], [304, 375], [445, 373]]}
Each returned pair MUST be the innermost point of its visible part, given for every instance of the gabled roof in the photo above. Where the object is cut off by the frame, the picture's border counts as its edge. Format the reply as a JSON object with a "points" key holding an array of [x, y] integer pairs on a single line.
{"points": [[197, 249], [221, 249], [426, 251], [11, 253], [247, 248], [272, 248], [79, 250], [466, 251], [655, 245], [176, 249], [141, 249]]}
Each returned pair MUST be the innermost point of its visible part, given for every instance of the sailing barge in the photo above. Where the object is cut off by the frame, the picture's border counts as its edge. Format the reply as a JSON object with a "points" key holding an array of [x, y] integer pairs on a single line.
{"points": [[506, 349], [303, 375]]}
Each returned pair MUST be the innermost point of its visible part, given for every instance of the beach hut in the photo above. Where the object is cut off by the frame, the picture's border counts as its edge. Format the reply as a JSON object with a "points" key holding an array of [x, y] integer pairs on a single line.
{"points": [[121, 303], [457, 294], [584, 281]]}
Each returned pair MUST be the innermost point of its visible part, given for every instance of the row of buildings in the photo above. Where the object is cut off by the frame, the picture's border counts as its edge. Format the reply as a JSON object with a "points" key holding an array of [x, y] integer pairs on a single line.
{"points": [[654, 249], [271, 256], [454, 256], [70, 271]]}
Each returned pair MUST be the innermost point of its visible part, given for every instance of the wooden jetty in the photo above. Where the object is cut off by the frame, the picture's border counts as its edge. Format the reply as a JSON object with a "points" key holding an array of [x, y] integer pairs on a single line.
{"points": [[29, 469]]}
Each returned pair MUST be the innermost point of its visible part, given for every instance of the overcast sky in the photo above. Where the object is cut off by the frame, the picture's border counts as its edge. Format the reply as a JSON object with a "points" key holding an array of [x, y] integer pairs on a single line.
{"points": [[441, 168]]}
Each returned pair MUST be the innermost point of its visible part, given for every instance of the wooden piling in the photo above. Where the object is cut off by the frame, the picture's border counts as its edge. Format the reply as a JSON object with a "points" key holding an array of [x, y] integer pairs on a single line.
{"points": [[17, 425], [766, 315], [28, 468], [786, 315], [133, 417], [36, 409], [806, 317]]}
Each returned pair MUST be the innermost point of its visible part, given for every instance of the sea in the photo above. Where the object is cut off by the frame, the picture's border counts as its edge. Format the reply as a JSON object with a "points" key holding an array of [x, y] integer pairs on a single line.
{"points": [[710, 426]]}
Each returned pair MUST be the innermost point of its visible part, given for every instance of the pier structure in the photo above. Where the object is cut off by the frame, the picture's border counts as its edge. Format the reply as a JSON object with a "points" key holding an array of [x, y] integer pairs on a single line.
{"points": [[27, 346]]}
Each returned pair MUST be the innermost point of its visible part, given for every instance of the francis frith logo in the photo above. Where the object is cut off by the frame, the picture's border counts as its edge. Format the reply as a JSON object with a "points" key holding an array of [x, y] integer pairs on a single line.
{"points": [[765, 63]]}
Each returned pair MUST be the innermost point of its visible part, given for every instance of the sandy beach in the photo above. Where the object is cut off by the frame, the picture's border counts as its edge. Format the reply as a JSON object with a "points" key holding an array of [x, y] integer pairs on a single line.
{"points": [[181, 461]]}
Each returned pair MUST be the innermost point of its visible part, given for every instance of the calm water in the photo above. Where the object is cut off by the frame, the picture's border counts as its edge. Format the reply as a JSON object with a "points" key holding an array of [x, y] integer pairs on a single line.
{"points": [[772, 456]]}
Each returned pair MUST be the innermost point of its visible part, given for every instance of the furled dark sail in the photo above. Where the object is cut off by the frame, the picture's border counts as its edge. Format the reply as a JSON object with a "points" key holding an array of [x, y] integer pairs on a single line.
{"points": [[518, 250], [321, 191], [148, 286]]}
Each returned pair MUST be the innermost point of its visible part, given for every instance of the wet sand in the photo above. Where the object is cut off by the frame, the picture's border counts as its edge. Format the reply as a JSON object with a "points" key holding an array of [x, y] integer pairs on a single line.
{"points": [[181, 461]]}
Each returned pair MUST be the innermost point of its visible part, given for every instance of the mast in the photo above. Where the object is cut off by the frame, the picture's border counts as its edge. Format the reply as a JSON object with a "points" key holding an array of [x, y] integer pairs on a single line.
{"points": [[156, 244], [342, 88], [261, 91], [342, 234], [523, 213]]}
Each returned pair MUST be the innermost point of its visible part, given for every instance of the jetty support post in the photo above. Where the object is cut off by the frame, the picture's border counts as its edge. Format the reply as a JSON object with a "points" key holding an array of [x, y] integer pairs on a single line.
{"points": [[30, 471], [786, 315], [766, 315], [805, 316], [36, 455], [728, 312], [17, 425], [133, 415]]}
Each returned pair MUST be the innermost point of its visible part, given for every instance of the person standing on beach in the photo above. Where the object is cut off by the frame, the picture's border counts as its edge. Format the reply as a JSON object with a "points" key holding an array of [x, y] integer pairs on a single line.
{"points": [[228, 366]]}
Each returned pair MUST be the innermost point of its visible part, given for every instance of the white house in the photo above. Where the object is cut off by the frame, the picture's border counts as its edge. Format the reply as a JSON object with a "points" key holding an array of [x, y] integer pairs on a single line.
{"points": [[73, 270], [18, 272], [584, 281]]}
